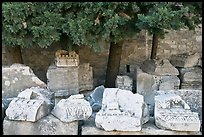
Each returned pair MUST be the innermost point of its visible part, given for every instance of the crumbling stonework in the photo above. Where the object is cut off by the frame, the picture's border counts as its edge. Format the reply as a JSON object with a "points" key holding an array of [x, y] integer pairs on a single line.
{"points": [[16, 78], [121, 110], [148, 83], [31, 105], [73, 108], [191, 78], [171, 112]]}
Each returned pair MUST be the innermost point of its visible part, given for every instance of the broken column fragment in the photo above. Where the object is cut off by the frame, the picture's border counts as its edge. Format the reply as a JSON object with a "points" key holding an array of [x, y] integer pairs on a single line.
{"points": [[171, 112], [31, 105], [73, 108], [121, 110]]}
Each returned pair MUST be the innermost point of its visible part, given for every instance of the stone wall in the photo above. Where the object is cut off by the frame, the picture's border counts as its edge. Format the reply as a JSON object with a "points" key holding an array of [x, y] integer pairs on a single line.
{"points": [[135, 51]]}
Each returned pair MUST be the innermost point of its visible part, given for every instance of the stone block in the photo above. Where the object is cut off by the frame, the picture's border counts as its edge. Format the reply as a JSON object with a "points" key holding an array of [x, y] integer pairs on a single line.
{"points": [[124, 82], [16, 78], [85, 77], [48, 125], [121, 110], [159, 67], [63, 81], [31, 105], [73, 108], [149, 128], [173, 113]]}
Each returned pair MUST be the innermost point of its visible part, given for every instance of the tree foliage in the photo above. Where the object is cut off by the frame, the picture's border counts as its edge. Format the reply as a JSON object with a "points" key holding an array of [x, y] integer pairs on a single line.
{"points": [[84, 23]]}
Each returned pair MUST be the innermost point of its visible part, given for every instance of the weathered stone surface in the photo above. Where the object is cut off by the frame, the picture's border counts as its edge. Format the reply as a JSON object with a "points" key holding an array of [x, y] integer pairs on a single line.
{"points": [[192, 97], [147, 85], [85, 77], [167, 82], [31, 105], [121, 110], [48, 125], [16, 78], [192, 60], [124, 82], [171, 112], [159, 67], [95, 98], [148, 128], [191, 78], [63, 81], [73, 108], [185, 60], [64, 58]]}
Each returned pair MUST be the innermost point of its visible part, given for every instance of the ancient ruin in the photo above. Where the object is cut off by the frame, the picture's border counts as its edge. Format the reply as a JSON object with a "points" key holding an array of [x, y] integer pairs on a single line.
{"points": [[121, 110], [124, 82], [171, 112], [31, 105], [64, 58], [72, 109]]}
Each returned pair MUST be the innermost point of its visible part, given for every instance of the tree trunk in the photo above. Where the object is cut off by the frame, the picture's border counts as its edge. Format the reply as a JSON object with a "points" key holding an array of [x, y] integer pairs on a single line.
{"points": [[14, 55], [113, 64], [155, 40]]}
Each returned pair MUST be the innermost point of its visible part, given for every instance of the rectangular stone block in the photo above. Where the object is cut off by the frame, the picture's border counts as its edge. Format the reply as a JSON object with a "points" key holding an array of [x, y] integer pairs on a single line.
{"points": [[85, 77], [63, 81], [48, 125]]}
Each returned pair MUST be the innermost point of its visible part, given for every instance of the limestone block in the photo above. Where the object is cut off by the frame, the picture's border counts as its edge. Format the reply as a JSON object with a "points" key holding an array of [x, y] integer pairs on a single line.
{"points": [[64, 58], [192, 60], [73, 108], [85, 77], [148, 84], [168, 82], [191, 96], [171, 112], [63, 81], [185, 60], [16, 78], [31, 105], [164, 67], [121, 110], [95, 98], [48, 125], [149, 128], [191, 78], [159, 67], [178, 60], [124, 82]]}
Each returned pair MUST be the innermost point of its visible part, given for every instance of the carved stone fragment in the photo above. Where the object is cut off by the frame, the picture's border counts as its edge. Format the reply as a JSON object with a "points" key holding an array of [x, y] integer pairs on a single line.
{"points": [[121, 110], [171, 112], [73, 108], [31, 105]]}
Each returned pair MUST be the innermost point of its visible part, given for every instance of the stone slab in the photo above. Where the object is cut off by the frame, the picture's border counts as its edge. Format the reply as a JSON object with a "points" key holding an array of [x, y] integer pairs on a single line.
{"points": [[48, 125], [149, 128]]}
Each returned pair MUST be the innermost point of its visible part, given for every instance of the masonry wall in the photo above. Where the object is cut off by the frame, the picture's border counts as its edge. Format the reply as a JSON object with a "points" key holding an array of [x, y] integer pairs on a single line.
{"points": [[135, 51]]}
